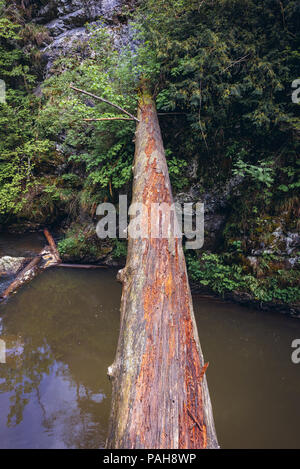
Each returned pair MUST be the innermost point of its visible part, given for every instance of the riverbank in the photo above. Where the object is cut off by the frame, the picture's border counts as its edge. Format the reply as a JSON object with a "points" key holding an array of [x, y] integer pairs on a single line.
{"points": [[21, 248]]}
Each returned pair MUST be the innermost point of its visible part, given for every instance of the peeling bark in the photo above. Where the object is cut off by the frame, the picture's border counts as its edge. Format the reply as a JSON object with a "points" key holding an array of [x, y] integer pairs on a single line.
{"points": [[160, 394], [52, 245]]}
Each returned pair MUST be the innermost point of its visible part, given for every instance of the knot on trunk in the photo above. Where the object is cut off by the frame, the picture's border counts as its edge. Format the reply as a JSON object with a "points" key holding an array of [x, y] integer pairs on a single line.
{"points": [[111, 371], [121, 275]]}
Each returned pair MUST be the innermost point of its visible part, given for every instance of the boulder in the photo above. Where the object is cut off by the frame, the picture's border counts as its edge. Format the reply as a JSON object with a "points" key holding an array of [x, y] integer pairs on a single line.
{"points": [[11, 265]]}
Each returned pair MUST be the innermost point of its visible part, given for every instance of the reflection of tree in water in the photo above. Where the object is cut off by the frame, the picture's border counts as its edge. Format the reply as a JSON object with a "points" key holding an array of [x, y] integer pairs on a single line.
{"points": [[69, 340], [23, 379], [78, 427]]}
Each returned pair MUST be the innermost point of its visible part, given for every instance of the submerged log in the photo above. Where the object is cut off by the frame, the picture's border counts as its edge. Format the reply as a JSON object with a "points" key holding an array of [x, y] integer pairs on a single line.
{"points": [[82, 266], [160, 395]]}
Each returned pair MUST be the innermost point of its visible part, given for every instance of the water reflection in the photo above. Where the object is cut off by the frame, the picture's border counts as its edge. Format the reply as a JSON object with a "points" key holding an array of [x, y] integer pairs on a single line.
{"points": [[55, 394], [61, 334], [25, 245]]}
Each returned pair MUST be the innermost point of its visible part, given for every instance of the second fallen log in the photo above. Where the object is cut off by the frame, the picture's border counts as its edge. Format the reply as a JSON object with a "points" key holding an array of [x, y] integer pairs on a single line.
{"points": [[48, 257], [52, 245]]}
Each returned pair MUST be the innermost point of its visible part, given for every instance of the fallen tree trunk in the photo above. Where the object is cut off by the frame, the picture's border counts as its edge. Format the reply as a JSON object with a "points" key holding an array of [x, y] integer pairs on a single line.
{"points": [[52, 245], [48, 257], [160, 395], [25, 275]]}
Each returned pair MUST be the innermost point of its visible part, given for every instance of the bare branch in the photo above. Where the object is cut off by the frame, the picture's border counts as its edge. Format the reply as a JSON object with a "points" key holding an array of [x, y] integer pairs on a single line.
{"points": [[171, 113], [104, 101], [236, 62], [110, 119]]}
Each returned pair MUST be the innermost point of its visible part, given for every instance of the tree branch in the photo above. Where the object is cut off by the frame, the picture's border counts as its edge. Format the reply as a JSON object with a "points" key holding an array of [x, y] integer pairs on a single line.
{"points": [[171, 113], [109, 119], [104, 101], [236, 62]]}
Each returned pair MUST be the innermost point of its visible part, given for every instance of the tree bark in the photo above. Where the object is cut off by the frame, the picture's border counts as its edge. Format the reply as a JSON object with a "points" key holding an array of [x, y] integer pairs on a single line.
{"points": [[160, 396], [52, 245], [25, 275]]}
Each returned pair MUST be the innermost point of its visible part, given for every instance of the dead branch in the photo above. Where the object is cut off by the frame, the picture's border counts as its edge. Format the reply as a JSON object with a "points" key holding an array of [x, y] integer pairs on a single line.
{"points": [[52, 245], [171, 113], [104, 101], [109, 119], [195, 420], [241, 59]]}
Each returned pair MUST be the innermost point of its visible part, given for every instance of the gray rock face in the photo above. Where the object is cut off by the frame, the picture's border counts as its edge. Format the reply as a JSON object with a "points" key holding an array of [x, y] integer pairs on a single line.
{"points": [[284, 244], [68, 21], [74, 12], [110, 5], [292, 242], [64, 45], [11, 265]]}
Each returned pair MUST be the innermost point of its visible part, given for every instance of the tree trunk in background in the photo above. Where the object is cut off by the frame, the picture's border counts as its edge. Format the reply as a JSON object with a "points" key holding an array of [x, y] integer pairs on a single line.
{"points": [[160, 394]]}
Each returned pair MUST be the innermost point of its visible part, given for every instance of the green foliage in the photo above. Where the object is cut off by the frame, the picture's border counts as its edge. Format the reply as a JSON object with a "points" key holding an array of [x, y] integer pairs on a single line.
{"points": [[16, 171], [229, 66], [120, 250], [103, 149], [78, 245], [261, 173], [213, 272], [224, 68], [67, 246], [21, 149], [176, 167], [81, 243]]}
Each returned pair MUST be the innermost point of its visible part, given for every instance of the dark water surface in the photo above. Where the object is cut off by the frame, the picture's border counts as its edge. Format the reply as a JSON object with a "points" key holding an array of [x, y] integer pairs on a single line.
{"points": [[61, 332], [21, 246]]}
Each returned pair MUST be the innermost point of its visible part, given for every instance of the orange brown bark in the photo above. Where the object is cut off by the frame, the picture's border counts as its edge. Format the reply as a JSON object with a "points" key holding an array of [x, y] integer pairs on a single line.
{"points": [[160, 394]]}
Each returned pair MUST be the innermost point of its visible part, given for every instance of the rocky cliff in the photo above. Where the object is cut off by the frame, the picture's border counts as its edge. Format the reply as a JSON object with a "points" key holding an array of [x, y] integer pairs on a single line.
{"points": [[69, 23]]}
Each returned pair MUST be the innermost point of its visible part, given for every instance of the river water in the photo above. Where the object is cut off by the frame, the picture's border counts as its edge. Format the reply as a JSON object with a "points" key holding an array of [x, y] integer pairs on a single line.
{"points": [[61, 333]]}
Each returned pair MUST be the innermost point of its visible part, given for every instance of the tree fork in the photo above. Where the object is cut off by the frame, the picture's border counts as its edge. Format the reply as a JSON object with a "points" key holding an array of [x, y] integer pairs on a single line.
{"points": [[160, 396]]}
